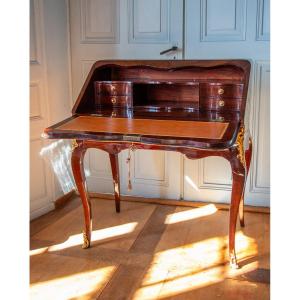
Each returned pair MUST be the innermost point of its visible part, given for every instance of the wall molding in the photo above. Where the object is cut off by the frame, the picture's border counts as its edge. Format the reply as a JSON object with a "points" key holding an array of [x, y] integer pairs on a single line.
{"points": [[35, 33], [261, 34], [162, 35], [237, 33], [138, 178], [35, 85], [213, 185], [104, 174], [88, 36], [260, 68]]}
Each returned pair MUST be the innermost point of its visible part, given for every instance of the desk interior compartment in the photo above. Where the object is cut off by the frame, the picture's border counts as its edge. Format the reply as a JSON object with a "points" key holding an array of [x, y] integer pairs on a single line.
{"points": [[166, 95]]}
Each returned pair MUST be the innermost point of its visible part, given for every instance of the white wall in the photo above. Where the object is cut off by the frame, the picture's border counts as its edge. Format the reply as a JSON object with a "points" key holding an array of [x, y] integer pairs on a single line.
{"points": [[58, 65], [50, 98]]}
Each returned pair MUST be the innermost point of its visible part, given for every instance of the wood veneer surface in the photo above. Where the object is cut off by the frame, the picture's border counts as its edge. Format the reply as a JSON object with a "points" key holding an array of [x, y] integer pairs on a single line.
{"points": [[188, 129]]}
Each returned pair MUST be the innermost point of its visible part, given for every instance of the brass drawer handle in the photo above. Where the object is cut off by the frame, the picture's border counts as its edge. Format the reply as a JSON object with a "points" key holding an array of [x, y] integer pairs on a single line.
{"points": [[113, 114], [220, 91], [221, 103], [113, 100]]}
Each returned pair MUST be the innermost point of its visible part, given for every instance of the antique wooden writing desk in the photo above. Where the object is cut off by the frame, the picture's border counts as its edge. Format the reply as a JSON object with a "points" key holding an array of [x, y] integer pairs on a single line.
{"points": [[192, 107]]}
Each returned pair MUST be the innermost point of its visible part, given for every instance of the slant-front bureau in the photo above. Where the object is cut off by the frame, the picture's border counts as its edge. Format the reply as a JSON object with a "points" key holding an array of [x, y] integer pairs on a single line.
{"points": [[193, 107]]}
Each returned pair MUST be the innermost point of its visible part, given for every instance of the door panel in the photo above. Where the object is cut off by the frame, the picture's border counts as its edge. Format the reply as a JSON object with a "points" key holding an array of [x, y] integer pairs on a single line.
{"points": [[41, 189], [241, 30], [223, 30], [260, 175], [132, 29]]}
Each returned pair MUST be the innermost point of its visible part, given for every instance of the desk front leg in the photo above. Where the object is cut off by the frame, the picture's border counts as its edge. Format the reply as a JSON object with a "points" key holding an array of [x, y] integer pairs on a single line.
{"points": [[78, 152], [248, 155], [239, 172]]}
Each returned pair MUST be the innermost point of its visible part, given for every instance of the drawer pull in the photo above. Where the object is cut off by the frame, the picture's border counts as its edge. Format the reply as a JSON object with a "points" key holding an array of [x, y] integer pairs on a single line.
{"points": [[113, 100], [113, 114], [221, 103], [220, 91]]}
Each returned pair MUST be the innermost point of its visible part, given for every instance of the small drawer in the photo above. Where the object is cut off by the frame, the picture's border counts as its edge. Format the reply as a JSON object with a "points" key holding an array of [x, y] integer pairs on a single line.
{"points": [[113, 88], [221, 90], [113, 94], [117, 112], [116, 101], [221, 104]]}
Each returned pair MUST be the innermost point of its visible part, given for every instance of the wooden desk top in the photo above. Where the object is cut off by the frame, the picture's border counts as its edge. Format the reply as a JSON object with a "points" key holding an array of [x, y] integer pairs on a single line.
{"points": [[148, 127], [201, 132]]}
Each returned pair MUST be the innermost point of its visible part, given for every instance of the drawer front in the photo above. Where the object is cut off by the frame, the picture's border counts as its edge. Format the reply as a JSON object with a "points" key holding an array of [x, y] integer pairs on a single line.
{"points": [[220, 116], [221, 104], [114, 101], [113, 94], [221, 90], [113, 88]]}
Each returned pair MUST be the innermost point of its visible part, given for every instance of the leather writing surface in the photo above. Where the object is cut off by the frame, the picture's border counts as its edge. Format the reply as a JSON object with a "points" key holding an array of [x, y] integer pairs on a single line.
{"points": [[150, 127]]}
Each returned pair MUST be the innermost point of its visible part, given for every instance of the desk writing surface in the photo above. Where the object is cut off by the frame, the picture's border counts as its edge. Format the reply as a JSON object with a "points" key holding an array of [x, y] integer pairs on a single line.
{"points": [[148, 127]]}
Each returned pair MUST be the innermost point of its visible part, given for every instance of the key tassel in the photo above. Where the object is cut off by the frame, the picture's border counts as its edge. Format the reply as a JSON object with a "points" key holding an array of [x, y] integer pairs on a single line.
{"points": [[129, 186]]}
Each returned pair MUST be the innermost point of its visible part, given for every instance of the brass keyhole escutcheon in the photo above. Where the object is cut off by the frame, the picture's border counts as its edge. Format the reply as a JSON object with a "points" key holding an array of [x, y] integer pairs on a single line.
{"points": [[113, 100], [221, 103], [220, 91]]}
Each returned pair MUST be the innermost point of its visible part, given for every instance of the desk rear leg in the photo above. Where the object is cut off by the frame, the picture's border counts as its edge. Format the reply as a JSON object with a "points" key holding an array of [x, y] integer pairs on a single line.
{"points": [[114, 161], [78, 153]]}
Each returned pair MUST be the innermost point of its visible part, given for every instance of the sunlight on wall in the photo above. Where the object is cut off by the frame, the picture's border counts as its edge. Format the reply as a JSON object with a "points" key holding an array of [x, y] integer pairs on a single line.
{"points": [[191, 214], [97, 235], [192, 266], [77, 286], [191, 182], [58, 154]]}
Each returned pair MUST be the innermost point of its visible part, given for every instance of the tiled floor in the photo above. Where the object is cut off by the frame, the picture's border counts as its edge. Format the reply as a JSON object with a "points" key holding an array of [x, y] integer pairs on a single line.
{"points": [[148, 251]]}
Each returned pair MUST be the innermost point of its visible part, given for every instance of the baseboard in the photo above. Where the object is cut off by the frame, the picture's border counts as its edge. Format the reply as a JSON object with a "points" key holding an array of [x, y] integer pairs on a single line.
{"points": [[222, 206], [61, 201], [41, 211]]}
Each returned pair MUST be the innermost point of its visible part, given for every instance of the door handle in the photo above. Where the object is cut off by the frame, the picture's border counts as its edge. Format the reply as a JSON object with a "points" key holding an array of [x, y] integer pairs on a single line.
{"points": [[174, 48]]}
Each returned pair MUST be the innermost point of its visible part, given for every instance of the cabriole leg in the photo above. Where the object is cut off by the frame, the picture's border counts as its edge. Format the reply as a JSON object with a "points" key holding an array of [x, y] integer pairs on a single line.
{"points": [[248, 155], [237, 191], [238, 167], [78, 152], [116, 180]]}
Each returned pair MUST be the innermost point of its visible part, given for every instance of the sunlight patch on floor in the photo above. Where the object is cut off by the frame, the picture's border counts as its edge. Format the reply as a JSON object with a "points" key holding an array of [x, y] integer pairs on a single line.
{"points": [[193, 266], [191, 214], [97, 235], [77, 286]]}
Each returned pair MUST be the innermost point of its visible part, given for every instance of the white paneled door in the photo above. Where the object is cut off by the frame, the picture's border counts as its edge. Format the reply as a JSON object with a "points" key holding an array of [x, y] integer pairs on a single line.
{"points": [[201, 29], [133, 29], [227, 29]]}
